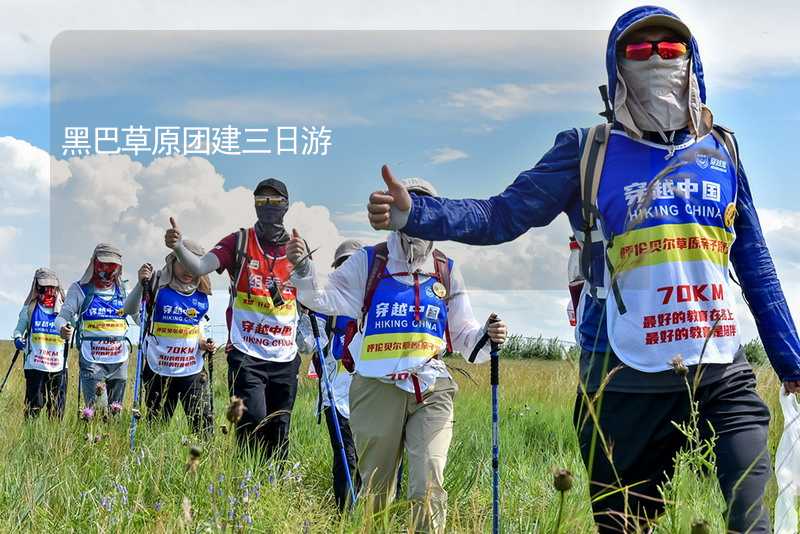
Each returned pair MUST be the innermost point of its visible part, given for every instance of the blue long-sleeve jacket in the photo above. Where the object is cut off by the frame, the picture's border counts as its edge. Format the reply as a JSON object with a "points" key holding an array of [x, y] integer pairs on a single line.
{"points": [[540, 194]]}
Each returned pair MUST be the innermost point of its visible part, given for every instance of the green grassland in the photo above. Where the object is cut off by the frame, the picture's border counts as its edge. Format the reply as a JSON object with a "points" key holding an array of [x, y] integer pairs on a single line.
{"points": [[53, 477]]}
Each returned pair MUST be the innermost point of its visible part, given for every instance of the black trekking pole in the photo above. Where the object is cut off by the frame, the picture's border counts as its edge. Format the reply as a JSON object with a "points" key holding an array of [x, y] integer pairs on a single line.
{"points": [[209, 357], [334, 414], [143, 327], [495, 382], [10, 367]]}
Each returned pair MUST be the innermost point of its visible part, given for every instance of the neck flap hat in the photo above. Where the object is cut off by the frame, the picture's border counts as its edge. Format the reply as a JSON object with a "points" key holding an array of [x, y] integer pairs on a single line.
{"points": [[700, 116], [346, 248], [166, 277], [105, 253], [44, 277]]}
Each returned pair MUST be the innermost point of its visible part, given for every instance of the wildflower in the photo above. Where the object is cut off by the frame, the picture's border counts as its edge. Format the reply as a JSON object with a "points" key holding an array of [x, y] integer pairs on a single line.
{"points": [[248, 475], [236, 410], [221, 478], [562, 480], [87, 413], [157, 506], [116, 408], [211, 489], [247, 519], [99, 389], [678, 366], [106, 503]]}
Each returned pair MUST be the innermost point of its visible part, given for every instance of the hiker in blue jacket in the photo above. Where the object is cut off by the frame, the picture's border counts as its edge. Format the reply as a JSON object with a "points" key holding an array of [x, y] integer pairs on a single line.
{"points": [[673, 209]]}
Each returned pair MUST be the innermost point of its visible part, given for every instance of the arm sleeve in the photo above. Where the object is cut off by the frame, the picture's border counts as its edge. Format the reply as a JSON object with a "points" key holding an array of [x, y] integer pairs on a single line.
{"points": [[22, 323], [343, 291], [197, 265], [132, 302], [465, 330], [71, 306], [762, 289], [535, 198]]}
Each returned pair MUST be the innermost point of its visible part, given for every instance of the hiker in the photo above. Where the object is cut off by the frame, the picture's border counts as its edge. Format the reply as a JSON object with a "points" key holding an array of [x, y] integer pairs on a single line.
{"points": [[668, 187], [93, 307], [263, 359], [38, 338], [338, 332], [176, 344], [412, 307]]}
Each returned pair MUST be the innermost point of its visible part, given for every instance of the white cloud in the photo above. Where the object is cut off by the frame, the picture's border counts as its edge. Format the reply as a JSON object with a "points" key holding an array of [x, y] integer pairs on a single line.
{"points": [[25, 171], [510, 100], [446, 155]]}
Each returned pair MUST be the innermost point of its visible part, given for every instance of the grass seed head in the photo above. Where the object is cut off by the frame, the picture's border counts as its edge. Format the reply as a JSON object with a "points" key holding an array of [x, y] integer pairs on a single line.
{"points": [[562, 479], [236, 410], [678, 366]]}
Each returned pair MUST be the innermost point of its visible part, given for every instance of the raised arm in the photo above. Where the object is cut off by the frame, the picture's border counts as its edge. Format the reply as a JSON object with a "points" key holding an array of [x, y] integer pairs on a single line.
{"points": [[197, 265], [535, 198], [762, 289]]}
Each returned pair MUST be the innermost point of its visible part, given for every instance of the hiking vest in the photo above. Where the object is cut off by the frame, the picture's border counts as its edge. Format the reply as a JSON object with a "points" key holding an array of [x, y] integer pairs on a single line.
{"points": [[45, 346], [403, 328], [102, 326], [667, 226], [258, 328], [173, 343]]}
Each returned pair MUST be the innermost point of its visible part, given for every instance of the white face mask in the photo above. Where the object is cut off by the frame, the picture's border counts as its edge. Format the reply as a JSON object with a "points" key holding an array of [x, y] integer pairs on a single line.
{"points": [[416, 249], [658, 92]]}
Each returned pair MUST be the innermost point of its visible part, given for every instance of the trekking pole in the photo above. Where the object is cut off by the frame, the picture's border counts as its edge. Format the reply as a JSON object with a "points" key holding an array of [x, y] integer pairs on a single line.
{"points": [[139, 359], [495, 382], [10, 367], [332, 402], [209, 356]]}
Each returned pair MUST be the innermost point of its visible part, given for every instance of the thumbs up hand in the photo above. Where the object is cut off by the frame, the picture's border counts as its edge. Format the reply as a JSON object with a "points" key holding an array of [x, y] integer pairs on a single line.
{"points": [[388, 208], [296, 248], [173, 235]]}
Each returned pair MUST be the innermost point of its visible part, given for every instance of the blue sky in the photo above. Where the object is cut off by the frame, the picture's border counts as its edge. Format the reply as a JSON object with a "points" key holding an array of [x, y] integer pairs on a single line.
{"points": [[488, 103]]}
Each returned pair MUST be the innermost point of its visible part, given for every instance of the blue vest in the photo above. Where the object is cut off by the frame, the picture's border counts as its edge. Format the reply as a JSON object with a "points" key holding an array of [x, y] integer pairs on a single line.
{"points": [[45, 346], [399, 333], [667, 252]]}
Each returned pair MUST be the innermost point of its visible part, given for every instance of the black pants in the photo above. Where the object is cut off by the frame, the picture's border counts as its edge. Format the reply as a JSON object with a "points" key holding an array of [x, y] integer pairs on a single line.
{"points": [[643, 440], [43, 389], [268, 390], [340, 489], [162, 395]]}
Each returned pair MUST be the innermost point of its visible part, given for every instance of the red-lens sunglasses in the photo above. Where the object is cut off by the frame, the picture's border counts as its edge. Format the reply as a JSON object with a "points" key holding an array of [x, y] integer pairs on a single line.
{"points": [[666, 49]]}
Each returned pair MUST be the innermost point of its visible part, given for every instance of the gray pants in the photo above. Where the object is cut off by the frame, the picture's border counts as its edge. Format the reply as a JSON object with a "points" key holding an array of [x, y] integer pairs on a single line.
{"points": [[114, 375]]}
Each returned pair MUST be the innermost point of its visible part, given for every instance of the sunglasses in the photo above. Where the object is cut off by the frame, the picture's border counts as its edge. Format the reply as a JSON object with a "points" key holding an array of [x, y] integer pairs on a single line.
{"points": [[666, 49], [262, 200]]}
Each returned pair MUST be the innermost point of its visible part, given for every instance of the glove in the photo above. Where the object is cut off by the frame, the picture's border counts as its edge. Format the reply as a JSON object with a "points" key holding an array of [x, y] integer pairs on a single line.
{"points": [[19, 343]]}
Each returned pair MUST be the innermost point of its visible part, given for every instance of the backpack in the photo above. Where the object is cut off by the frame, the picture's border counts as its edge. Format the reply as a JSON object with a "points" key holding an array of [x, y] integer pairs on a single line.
{"points": [[592, 156], [441, 273]]}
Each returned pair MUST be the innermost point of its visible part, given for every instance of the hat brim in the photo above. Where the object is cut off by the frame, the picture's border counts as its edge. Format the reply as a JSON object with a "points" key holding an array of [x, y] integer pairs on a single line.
{"points": [[47, 281], [109, 258], [662, 21]]}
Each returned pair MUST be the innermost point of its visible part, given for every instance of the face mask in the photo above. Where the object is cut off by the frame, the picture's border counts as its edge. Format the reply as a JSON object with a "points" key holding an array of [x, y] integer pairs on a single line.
{"points": [[658, 92], [416, 249], [269, 227], [47, 297], [179, 285], [105, 274]]}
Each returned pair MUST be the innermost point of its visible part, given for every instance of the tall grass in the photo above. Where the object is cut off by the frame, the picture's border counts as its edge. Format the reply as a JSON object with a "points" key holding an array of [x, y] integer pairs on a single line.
{"points": [[53, 478]]}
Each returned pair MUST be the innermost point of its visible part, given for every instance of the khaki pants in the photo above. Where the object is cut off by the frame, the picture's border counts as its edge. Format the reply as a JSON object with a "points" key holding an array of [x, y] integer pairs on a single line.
{"points": [[384, 418]]}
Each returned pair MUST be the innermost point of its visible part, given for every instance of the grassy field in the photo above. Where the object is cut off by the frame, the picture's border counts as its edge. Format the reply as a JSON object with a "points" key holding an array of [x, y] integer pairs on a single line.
{"points": [[53, 478]]}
